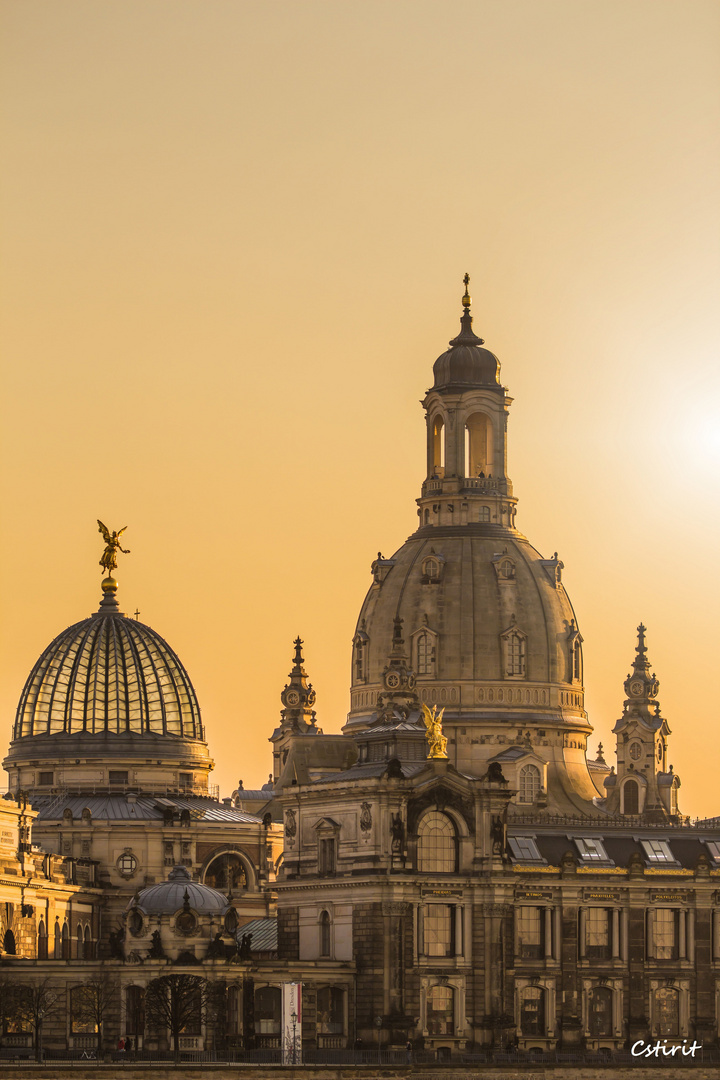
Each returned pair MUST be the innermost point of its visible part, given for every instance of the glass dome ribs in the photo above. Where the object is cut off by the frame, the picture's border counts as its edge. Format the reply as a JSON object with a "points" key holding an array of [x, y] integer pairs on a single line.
{"points": [[109, 674]]}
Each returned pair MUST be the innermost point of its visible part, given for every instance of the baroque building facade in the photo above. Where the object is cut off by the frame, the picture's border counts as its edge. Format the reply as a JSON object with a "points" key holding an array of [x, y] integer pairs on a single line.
{"points": [[505, 890]]}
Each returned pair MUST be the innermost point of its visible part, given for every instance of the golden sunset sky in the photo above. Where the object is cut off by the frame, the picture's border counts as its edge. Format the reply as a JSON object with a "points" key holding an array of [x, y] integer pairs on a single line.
{"points": [[233, 241]]}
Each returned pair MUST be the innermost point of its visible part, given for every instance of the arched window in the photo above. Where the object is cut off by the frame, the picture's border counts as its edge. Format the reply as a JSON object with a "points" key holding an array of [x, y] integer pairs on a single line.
{"points": [[80, 943], [600, 1020], [631, 797], [135, 1010], [225, 872], [437, 845], [438, 446], [9, 943], [65, 942], [57, 953], [42, 941], [532, 1011], [267, 1010], [529, 786], [431, 569], [331, 1010], [83, 1015], [667, 1012], [425, 654], [506, 569], [325, 934], [515, 653], [484, 513], [478, 445], [440, 1011]]}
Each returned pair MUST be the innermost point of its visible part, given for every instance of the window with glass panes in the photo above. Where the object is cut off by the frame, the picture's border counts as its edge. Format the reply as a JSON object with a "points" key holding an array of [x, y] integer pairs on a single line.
{"points": [[600, 1019], [532, 1011], [530, 927], [667, 1012], [424, 655], [665, 933], [439, 926], [440, 1018], [515, 655], [529, 783], [597, 933], [326, 855], [436, 850]]}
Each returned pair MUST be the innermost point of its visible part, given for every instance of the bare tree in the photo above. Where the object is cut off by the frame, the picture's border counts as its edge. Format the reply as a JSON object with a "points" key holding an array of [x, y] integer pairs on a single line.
{"points": [[178, 1004], [27, 1004], [91, 1002]]}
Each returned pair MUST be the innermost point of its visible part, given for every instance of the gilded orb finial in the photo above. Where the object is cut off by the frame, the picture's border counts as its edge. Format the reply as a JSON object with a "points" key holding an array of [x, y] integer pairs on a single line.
{"points": [[467, 299], [437, 742], [108, 561]]}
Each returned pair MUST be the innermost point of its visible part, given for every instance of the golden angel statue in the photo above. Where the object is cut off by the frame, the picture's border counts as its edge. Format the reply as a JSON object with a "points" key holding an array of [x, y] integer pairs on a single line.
{"points": [[112, 546], [437, 743]]}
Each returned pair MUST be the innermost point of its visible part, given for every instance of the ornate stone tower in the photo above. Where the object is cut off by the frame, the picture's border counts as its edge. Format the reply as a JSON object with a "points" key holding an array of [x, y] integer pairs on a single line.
{"points": [[297, 716], [643, 784]]}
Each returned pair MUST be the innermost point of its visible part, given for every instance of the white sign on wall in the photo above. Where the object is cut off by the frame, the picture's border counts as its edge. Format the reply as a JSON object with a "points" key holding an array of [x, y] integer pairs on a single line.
{"points": [[292, 1023]]}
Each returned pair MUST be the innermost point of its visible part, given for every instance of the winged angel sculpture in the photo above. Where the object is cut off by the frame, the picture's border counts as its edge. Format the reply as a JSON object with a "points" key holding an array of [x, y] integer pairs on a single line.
{"points": [[112, 546], [437, 743]]}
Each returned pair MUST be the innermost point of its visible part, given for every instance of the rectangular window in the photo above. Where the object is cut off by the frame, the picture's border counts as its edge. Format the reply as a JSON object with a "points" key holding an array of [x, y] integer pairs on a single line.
{"points": [[439, 925], [117, 776], [186, 779], [665, 933], [597, 933], [531, 944], [326, 856], [47, 778], [713, 849], [591, 849], [658, 851], [525, 849]]}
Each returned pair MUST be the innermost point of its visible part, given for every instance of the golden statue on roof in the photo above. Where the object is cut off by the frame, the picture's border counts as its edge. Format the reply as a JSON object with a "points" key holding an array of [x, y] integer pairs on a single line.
{"points": [[108, 561], [437, 742]]}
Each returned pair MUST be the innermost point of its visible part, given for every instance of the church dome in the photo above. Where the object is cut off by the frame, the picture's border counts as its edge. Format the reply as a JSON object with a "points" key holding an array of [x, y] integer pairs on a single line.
{"points": [[467, 615], [110, 687]]}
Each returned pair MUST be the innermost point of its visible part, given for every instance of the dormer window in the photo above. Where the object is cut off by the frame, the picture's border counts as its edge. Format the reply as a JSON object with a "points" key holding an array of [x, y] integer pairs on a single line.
{"points": [[524, 849], [590, 849], [530, 783], [658, 851], [506, 569], [431, 569]]}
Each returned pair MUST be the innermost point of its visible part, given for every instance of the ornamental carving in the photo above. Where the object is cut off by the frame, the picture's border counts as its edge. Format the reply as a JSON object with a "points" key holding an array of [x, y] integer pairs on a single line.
{"points": [[398, 907], [290, 824], [365, 817], [497, 910]]}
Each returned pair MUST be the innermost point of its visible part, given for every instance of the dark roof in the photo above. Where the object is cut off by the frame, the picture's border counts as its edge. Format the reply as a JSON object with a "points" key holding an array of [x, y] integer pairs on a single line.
{"points": [[619, 845], [140, 808]]}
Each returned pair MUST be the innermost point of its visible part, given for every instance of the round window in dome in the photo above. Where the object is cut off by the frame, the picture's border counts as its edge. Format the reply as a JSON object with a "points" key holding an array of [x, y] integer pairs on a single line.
{"points": [[127, 864], [186, 922], [635, 750], [135, 922], [231, 921]]}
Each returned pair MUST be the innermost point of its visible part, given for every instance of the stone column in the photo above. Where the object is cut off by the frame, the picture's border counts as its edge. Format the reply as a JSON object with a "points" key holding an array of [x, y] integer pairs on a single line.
{"points": [[548, 933], [615, 934], [581, 933]]}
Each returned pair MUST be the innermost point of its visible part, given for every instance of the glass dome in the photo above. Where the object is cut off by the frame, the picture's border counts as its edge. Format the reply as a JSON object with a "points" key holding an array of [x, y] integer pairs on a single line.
{"points": [[109, 674]]}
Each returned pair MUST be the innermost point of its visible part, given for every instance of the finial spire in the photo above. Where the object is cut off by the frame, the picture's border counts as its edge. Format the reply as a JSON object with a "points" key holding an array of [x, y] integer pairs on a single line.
{"points": [[466, 335]]}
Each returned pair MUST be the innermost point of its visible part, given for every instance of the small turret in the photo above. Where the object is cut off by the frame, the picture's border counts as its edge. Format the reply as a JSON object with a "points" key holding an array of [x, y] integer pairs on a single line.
{"points": [[643, 784]]}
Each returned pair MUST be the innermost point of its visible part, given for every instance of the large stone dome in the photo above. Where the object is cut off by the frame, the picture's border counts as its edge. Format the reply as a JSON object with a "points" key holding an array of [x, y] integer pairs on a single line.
{"points": [[467, 615], [107, 687]]}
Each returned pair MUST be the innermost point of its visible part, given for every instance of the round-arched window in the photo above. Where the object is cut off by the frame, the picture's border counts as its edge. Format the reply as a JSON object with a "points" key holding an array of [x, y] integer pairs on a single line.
{"points": [[437, 845], [186, 922], [529, 786], [225, 872]]}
